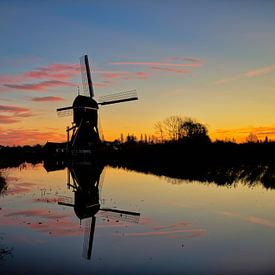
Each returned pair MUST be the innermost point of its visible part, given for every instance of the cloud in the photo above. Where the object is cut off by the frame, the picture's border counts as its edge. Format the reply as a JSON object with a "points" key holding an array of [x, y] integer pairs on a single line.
{"points": [[15, 113], [13, 109], [260, 71], [172, 70], [112, 74], [51, 76], [60, 75], [29, 136], [54, 71], [240, 134], [176, 65], [248, 74], [7, 120], [108, 78], [186, 62], [40, 86], [47, 99]]}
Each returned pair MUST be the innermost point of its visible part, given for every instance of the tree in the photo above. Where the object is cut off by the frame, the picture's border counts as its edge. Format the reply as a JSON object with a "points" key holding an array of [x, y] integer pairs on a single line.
{"points": [[159, 129], [252, 138], [131, 139], [172, 126], [192, 129], [121, 138]]}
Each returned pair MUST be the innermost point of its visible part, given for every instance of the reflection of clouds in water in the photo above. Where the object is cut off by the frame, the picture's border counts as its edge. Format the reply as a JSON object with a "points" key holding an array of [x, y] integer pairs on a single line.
{"points": [[175, 230], [264, 222], [250, 219], [19, 188], [170, 233], [175, 225], [46, 200], [64, 227], [53, 223], [38, 213], [115, 223]]}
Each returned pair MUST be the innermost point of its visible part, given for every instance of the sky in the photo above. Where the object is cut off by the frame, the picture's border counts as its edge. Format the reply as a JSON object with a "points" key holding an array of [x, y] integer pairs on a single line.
{"points": [[211, 60]]}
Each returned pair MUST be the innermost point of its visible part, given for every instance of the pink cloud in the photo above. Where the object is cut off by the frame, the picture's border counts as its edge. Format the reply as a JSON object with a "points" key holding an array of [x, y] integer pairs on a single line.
{"points": [[40, 86], [54, 71], [110, 77], [142, 75], [186, 62], [28, 136], [54, 75], [13, 109], [47, 99], [248, 74], [112, 74], [15, 113], [7, 120], [172, 70], [260, 71]]}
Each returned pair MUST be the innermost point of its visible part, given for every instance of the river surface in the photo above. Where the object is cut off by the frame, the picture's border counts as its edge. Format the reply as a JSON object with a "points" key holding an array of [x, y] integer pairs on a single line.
{"points": [[166, 226]]}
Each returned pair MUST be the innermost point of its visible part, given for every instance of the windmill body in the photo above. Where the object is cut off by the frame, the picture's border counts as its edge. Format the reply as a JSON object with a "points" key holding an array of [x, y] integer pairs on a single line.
{"points": [[83, 136]]}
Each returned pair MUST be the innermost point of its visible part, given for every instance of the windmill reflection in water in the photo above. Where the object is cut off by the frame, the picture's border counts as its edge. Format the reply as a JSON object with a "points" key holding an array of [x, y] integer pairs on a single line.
{"points": [[86, 181]]}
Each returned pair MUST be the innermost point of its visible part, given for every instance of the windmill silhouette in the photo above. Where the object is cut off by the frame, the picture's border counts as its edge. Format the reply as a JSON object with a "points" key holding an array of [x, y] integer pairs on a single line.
{"points": [[87, 179], [83, 136]]}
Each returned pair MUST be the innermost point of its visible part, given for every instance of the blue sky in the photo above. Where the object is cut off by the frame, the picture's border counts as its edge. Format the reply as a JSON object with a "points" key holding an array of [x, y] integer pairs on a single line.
{"points": [[231, 90]]}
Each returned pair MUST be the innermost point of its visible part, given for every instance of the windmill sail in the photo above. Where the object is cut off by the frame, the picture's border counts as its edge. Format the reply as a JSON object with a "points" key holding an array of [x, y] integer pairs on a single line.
{"points": [[65, 111], [88, 238], [86, 76], [118, 97], [121, 215]]}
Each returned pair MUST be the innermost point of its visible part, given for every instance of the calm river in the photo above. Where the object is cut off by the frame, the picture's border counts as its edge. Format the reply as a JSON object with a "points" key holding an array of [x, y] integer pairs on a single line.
{"points": [[95, 220]]}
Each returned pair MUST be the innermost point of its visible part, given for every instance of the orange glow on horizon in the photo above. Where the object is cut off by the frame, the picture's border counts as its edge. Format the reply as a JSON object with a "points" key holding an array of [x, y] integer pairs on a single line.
{"points": [[15, 137]]}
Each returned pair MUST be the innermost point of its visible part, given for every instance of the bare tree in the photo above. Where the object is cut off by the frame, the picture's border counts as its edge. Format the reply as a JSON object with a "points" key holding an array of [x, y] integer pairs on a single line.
{"points": [[172, 125], [159, 129]]}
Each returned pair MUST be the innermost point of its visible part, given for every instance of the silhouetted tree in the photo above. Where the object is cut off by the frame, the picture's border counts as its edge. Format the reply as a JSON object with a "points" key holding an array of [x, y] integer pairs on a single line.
{"points": [[159, 129], [172, 125], [252, 138], [194, 130], [131, 139], [121, 138]]}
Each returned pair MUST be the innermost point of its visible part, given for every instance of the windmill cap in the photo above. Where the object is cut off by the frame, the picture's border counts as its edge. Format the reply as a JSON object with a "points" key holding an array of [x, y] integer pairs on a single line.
{"points": [[85, 101]]}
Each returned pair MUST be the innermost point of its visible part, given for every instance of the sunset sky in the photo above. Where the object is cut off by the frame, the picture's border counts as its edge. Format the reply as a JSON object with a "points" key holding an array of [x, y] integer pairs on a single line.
{"points": [[210, 60]]}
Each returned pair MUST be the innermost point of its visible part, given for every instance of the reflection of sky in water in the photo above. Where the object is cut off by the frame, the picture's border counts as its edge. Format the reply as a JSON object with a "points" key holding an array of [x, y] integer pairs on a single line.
{"points": [[183, 228]]}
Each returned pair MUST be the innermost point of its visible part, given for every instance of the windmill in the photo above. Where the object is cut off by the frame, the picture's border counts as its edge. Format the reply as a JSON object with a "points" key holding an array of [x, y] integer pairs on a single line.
{"points": [[86, 181], [84, 135]]}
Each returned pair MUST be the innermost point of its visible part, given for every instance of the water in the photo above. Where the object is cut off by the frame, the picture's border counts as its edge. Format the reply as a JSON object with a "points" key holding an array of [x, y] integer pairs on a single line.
{"points": [[184, 227]]}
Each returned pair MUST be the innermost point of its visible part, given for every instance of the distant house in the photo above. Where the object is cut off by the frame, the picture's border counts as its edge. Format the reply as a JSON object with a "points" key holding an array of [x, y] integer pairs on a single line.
{"points": [[55, 148]]}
